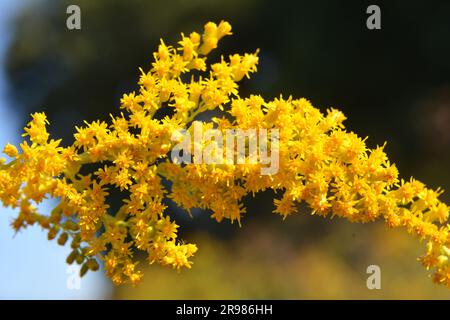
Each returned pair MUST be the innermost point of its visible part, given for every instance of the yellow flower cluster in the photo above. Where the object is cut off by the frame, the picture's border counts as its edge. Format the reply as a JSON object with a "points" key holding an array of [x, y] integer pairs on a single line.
{"points": [[320, 163]]}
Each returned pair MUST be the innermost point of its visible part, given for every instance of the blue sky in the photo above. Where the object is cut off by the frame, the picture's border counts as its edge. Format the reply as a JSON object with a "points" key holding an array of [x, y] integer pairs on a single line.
{"points": [[31, 267]]}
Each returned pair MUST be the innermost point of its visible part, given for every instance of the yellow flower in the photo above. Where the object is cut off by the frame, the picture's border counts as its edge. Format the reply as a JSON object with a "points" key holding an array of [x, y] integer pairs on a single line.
{"points": [[10, 150], [330, 169]]}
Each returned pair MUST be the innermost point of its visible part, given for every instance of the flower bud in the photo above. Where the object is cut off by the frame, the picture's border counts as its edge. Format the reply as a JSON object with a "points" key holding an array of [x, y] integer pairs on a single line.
{"points": [[70, 225], [71, 257], [63, 238], [92, 264], [75, 242], [11, 150], [52, 233], [84, 269], [79, 258]]}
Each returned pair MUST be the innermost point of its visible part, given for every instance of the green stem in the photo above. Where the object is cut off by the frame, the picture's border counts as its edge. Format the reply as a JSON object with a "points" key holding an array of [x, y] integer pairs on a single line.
{"points": [[8, 165]]}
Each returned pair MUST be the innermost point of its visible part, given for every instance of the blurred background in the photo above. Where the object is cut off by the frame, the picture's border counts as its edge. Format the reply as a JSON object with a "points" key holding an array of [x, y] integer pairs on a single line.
{"points": [[393, 84]]}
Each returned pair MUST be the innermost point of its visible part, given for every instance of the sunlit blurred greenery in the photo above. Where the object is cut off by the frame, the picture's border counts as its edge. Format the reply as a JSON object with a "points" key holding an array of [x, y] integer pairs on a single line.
{"points": [[266, 263]]}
